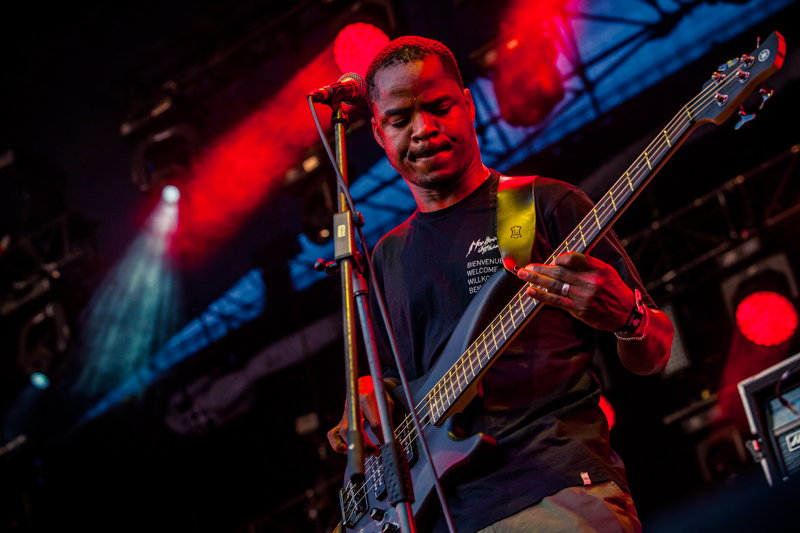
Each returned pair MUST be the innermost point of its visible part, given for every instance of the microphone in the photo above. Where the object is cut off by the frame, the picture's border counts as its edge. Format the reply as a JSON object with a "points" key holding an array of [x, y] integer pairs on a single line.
{"points": [[350, 89]]}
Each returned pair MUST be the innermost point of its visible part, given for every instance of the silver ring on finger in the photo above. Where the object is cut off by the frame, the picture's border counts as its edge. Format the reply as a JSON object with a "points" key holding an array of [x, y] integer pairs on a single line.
{"points": [[565, 290]]}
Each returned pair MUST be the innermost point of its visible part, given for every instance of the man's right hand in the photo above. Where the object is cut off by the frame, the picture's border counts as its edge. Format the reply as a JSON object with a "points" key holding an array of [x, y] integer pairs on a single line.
{"points": [[369, 412]]}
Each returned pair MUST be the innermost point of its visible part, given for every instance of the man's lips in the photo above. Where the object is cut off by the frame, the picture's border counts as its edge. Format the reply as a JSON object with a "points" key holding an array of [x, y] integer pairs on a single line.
{"points": [[428, 151]]}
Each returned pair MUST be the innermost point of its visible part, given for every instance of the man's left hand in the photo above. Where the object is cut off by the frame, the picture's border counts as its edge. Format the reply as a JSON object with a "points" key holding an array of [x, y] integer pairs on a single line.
{"points": [[596, 294]]}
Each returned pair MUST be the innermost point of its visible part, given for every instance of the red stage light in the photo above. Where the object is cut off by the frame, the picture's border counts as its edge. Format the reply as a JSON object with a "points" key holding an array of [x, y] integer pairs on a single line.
{"points": [[356, 45], [766, 318], [526, 81]]}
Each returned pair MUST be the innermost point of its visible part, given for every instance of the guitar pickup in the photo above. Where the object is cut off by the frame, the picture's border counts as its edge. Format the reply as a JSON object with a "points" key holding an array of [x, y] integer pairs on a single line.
{"points": [[353, 503], [380, 485]]}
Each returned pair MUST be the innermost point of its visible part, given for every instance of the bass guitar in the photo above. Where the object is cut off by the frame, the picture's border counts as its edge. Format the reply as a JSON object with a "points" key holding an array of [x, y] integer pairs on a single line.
{"points": [[473, 346]]}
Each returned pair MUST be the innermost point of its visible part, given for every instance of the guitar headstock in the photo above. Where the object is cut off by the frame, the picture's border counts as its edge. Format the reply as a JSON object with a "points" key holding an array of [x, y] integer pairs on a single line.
{"points": [[735, 80]]}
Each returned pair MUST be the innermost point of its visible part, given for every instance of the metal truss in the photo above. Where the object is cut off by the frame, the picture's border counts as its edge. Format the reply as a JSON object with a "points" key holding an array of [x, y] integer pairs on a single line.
{"points": [[719, 229], [35, 261], [606, 58]]}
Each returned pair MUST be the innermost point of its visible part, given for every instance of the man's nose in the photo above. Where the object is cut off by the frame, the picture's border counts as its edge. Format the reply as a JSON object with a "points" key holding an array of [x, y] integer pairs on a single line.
{"points": [[423, 126]]}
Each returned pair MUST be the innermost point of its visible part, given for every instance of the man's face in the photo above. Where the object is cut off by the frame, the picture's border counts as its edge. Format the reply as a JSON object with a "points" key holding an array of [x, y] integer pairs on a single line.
{"points": [[423, 121]]}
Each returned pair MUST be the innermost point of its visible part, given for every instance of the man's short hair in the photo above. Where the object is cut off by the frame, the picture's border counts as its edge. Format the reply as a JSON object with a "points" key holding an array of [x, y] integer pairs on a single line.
{"points": [[407, 49]]}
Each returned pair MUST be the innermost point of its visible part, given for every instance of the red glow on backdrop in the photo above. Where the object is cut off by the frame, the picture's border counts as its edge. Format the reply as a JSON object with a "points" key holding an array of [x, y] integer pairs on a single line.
{"points": [[356, 45], [526, 81], [608, 410], [766, 318], [244, 167], [745, 358]]}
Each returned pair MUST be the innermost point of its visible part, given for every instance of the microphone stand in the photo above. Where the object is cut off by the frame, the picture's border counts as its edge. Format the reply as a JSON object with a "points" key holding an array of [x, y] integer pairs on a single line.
{"points": [[355, 290]]}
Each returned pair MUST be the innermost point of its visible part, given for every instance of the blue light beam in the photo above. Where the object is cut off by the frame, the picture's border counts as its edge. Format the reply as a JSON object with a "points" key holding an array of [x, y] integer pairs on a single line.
{"points": [[134, 310]]}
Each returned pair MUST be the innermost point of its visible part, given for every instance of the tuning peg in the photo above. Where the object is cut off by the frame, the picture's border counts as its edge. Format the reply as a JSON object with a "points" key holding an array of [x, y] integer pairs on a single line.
{"points": [[744, 119], [765, 96]]}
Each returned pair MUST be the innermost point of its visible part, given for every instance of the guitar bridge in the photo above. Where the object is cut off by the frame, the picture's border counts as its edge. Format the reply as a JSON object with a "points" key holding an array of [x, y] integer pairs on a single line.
{"points": [[353, 503]]}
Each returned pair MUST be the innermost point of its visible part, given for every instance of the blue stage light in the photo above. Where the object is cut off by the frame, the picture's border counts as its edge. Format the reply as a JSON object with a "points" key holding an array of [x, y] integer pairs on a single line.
{"points": [[39, 380]]}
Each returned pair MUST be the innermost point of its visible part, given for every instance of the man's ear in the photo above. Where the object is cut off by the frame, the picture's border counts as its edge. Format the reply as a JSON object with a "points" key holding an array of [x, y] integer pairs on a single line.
{"points": [[376, 132], [470, 104]]}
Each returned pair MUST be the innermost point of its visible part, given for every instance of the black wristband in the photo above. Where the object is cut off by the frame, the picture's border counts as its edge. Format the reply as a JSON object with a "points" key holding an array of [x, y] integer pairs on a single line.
{"points": [[635, 318]]}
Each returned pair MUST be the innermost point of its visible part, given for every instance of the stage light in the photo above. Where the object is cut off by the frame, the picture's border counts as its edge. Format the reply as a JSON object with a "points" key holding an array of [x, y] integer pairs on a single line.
{"points": [[39, 380], [759, 299], [356, 45], [523, 61], [165, 155], [766, 318], [527, 84], [170, 194]]}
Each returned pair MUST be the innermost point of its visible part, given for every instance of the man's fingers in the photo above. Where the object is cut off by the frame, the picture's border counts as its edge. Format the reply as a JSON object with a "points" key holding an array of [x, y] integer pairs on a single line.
{"points": [[369, 405], [336, 441], [551, 298], [575, 261], [551, 278]]}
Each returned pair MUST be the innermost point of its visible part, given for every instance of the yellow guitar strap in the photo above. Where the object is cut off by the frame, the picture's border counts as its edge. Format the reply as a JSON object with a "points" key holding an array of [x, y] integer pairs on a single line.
{"points": [[516, 221]]}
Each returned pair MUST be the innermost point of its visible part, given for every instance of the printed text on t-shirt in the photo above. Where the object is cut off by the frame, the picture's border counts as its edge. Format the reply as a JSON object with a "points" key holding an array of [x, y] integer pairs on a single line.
{"points": [[483, 245]]}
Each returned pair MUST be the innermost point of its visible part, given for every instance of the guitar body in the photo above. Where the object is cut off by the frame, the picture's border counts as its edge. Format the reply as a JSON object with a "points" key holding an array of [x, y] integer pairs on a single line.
{"points": [[450, 453]]}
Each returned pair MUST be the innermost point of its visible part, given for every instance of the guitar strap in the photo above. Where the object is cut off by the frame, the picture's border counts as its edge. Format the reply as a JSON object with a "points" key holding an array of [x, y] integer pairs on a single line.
{"points": [[516, 221]]}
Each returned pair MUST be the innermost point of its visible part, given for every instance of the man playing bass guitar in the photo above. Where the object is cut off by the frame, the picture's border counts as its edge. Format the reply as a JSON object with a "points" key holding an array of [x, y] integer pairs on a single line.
{"points": [[553, 469]]}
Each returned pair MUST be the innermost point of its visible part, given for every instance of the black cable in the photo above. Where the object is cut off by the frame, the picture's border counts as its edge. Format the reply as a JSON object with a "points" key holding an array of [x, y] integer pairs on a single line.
{"points": [[390, 333]]}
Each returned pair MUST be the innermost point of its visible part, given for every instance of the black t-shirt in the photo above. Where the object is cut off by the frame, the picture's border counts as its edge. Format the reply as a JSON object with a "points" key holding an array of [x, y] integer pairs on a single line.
{"points": [[540, 398]]}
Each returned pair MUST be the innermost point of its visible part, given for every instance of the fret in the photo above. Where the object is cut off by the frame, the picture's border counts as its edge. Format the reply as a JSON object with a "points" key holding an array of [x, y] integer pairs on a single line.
{"points": [[471, 368], [688, 114], [440, 402], [596, 219], [477, 357], [647, 160], [478, 349], [628, 175], [613, 203], [580, 230], [486, 346], [447, 382], [437, 402], [667, 138]]}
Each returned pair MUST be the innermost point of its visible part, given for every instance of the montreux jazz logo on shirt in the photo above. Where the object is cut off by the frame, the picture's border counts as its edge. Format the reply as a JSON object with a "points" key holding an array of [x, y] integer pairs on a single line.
{"points": [[480, 270]]}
